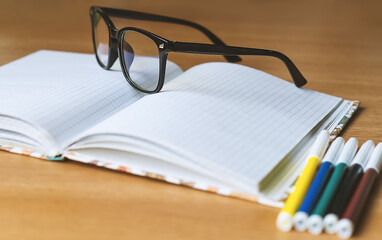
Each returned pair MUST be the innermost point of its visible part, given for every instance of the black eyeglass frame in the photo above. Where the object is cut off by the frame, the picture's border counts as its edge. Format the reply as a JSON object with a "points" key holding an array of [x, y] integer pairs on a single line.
{"points": [[165, 46]]}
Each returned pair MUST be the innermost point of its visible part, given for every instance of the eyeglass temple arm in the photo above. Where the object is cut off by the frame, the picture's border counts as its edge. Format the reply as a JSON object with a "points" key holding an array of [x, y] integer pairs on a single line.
{"points": [[200, 48], [121, 13]]}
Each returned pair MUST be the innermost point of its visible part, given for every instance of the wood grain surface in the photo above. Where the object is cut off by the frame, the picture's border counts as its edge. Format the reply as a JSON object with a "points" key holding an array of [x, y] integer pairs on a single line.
{"points": [[336, 44]]}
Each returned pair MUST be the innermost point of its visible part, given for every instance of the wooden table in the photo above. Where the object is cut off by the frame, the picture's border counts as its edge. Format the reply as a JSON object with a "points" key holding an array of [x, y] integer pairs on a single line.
{"points": [[336, 44]]}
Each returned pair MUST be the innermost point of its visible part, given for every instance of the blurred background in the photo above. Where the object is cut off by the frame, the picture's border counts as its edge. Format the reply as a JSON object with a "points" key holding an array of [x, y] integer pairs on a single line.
{"points": [[323, 38]]}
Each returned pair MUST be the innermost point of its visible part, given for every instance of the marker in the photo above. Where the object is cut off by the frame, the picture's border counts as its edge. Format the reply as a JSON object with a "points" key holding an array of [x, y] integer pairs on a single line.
{"points": [[315, 224], [300, 219], [284, 220], [347, 187], [345, 227]]}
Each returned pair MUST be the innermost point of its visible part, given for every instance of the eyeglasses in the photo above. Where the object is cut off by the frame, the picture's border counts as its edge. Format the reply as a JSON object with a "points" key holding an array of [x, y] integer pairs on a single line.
{"points": [[136, 47]]}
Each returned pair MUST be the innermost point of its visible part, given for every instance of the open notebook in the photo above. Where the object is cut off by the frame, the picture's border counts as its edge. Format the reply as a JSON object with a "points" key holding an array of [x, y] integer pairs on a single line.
{"points": [[219, 127]]}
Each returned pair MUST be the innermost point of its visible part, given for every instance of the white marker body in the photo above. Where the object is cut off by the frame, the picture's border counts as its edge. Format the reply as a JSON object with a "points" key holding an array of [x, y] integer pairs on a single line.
{"points": [[348, 152], [375, 160], [364, 153], [334, 150], [320, 145]]}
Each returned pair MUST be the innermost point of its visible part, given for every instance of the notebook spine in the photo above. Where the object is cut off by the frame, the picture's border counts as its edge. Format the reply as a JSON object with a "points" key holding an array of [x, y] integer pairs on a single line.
{"points": [[27, 152]]}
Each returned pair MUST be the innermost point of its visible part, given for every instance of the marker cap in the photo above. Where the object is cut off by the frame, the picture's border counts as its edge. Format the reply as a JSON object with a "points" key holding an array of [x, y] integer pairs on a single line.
{"points": [[349, 151], [334, 150], [364, 153], [315, 224], [320, 145], [300, 221], [284, 222], [345, 228], [330, 223], [375, 160]]}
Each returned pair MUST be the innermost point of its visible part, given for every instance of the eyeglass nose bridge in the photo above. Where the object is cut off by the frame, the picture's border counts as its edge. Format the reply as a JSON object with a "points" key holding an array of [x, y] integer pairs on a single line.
{"points": [[114, 33], [113, 49]]}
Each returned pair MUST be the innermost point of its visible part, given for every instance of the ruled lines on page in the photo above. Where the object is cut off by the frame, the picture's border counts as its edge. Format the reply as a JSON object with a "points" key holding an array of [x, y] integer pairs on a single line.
{"points": [[64, 93], [230, 119]]}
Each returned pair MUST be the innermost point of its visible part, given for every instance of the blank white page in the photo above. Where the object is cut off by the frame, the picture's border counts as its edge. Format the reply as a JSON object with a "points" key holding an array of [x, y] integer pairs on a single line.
{"points": [[233, 120], [65, 93]]}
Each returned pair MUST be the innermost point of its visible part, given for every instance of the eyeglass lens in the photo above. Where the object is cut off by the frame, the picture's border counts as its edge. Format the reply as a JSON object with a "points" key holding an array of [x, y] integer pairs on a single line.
{"points": [[101, 37], [141, 60]]}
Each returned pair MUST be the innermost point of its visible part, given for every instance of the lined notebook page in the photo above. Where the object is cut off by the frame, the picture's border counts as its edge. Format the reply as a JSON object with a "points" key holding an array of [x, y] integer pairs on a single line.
{"points": [[64, 93], [233, 120]]}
